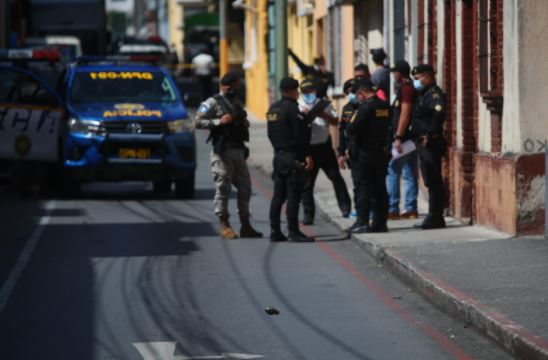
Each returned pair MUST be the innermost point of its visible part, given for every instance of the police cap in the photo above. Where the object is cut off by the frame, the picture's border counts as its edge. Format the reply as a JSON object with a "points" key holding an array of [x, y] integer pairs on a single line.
{"points": [[365, 84], [288, 83], [402, 67], [307, 85], [348, 85], [230, 78], [422, 69]]}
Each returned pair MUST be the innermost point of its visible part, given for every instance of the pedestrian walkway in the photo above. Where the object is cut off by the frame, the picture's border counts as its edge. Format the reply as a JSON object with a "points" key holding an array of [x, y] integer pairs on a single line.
{"points": [[488, 279]]}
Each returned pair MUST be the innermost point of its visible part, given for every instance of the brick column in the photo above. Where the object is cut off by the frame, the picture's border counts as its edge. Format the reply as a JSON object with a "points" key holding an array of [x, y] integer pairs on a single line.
{"points": [[449, 87], [470, 68]]}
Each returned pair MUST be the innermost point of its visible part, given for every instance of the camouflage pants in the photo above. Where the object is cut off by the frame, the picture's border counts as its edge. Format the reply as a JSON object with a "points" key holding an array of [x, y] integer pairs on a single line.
{"points": [[231, 169]]}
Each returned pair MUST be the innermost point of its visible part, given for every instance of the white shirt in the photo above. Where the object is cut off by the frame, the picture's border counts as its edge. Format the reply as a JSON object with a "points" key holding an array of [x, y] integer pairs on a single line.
{"points": [[320, 127], [202, 64]]}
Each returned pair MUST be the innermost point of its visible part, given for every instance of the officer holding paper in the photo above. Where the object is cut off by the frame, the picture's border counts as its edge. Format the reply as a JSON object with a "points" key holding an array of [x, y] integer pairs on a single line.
{"points": [[404, 163]]}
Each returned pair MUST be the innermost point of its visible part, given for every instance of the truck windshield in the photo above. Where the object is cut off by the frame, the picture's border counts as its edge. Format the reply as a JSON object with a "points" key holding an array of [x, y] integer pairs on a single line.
{"points": [[122, 86]]}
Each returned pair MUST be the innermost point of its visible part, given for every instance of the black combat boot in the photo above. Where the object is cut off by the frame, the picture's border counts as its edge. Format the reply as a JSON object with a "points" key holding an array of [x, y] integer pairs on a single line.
{"points": [[360, 226], [295, 234], [276, 234], [379, 227]]}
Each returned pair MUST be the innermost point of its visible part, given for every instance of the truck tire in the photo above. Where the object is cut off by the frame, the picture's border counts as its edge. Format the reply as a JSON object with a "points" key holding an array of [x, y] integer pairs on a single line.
{"points": [[184, 187], [162, 186], [71, 187]]}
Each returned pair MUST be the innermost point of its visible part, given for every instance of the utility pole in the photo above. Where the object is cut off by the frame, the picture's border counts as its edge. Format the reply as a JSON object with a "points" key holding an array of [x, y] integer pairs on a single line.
{"points": [[223, 45], [280, 11]]}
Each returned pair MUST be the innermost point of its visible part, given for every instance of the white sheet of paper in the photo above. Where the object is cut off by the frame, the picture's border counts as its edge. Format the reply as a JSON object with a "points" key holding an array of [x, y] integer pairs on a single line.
{"points": [[408, 146]]}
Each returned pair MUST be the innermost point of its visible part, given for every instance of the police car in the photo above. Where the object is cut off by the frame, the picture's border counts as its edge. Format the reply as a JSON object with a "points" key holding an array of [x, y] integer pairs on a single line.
{"points": [[126, 121], [31, 113]]}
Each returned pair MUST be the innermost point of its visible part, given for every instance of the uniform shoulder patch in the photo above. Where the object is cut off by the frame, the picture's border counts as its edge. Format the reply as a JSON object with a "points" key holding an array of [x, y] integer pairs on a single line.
{"points": [[381, 113], [436, 96], [203, 108], [272, 116]]}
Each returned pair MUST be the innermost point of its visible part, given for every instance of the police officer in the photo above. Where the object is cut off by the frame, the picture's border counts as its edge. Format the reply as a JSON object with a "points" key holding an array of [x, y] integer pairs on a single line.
{"points": [[226, 119], [289, 133], [348, 111], [368, 133], [428, 116], [322, 115]]}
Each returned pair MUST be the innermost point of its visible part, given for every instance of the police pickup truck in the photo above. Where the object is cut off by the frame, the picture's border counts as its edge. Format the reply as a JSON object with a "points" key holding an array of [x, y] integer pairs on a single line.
{"points": [[109, 119], [126, 121]]}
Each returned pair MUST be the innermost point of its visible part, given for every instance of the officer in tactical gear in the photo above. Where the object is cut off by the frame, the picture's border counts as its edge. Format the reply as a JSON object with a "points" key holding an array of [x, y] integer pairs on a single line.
{"points": [[224, 116], [427, 119], [289, 132], [368, 134]]}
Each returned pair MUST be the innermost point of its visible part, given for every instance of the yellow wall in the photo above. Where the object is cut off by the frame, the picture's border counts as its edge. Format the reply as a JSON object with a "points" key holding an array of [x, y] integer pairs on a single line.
{"points": [[300, 39], [256, 66], [175, 22]]}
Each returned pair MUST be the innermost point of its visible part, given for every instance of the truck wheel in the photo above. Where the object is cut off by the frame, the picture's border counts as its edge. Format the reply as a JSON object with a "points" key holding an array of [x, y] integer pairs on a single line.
{"points": [[162, 186], [184, 187], [71, 187]]}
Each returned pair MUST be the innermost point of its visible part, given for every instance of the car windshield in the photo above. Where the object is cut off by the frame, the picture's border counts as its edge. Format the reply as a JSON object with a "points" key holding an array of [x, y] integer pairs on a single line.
{"points": [[122, 86]]}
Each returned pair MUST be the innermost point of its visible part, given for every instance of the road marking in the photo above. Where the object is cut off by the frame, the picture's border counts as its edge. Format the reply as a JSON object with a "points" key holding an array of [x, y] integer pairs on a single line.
{"points": [[164, 350], [22, 262]]}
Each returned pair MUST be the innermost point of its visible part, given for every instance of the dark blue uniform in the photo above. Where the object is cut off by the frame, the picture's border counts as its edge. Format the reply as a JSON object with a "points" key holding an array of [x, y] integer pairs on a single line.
{"points": [[368, 134], [427, 119], [289, 134]]}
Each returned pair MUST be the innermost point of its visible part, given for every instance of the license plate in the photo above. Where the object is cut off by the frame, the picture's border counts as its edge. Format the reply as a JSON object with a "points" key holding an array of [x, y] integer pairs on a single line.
{"points": [[134, 153]]}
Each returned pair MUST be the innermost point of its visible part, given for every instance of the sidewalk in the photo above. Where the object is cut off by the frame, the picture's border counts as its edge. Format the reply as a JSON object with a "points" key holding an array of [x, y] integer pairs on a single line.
{"points": [[484, 278]]}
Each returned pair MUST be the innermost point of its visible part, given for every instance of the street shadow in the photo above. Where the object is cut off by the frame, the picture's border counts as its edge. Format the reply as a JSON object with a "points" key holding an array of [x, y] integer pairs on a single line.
{"points": [[69, 299]]}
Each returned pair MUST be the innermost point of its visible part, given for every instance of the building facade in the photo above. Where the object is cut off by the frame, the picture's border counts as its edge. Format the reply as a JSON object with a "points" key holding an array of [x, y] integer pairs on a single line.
{"points": [[487, 54], [489, 57]]}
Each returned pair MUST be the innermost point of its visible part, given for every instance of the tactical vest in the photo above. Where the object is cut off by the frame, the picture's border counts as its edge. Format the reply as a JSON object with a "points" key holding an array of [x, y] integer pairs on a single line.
{"points": [[231, 135], [279, 132], [372, 137]]}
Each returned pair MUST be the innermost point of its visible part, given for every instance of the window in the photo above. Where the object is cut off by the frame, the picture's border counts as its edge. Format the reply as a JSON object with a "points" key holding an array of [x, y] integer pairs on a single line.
{"points": [[20, 88]]}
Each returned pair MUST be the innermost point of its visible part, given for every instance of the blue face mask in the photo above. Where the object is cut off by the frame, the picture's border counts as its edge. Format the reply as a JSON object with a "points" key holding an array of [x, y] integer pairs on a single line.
{"points": [[351, 98], [309, 98], [418, 85]]}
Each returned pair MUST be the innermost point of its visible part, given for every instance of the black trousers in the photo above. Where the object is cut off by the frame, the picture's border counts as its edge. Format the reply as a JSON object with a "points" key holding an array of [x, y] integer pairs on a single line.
{"points": [[288, 185], [325, 159], [369, 178], [430, 166]]}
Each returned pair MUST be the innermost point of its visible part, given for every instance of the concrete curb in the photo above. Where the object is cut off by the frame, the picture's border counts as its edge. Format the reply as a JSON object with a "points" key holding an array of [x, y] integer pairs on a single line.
{"points": [[513, 337]]}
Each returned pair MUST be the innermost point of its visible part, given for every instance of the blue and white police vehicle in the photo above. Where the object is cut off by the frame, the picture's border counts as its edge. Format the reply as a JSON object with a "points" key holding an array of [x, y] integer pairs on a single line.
{"points": [[109, 119], [126, 121]]}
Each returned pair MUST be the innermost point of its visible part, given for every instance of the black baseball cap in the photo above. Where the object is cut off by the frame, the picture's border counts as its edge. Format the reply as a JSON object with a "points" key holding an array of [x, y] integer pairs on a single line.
{"points": [[308, 85], [348, 85], [288, 83], [423, 68], [363, 83], [230, 78], [402, 67]]}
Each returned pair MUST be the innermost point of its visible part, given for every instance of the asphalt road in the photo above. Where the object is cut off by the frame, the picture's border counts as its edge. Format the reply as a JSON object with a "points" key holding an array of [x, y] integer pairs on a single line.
{"points": [[124, 274]]}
